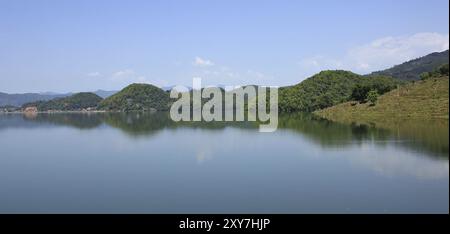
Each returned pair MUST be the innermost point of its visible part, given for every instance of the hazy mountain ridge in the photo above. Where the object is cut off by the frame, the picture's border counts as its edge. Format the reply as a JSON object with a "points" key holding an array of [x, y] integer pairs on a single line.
{"points": [[22, 98], [411, 70]]}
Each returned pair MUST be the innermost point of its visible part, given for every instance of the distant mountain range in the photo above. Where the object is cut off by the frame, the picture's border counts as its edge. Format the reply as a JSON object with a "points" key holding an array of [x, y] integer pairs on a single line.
{"points": [[412, 69], [322, 90], [20, 99], [169, 88], [104, 93]]}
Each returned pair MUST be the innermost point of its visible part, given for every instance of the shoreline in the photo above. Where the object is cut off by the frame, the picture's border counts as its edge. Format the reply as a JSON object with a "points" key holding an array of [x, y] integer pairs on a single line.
{"points": [[73, 112], [55, 112]]}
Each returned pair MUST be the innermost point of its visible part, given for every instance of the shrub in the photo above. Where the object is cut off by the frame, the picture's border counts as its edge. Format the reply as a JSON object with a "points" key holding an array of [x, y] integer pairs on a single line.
{"points": [[372, 97], [443, 70]]}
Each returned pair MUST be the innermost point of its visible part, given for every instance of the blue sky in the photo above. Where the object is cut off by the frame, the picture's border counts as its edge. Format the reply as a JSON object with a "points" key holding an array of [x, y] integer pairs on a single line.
{"points": [[63, 46]]}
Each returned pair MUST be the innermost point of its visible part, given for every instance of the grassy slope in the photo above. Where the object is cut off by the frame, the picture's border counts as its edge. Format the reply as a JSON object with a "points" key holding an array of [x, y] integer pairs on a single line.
{"points": [[427, 99]]}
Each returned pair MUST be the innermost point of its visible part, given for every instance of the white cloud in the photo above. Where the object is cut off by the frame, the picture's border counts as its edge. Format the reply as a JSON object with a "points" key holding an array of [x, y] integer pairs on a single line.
{"points": [[94, 74], [200, 62], [123, 74], [380, 54], [389, 51]]}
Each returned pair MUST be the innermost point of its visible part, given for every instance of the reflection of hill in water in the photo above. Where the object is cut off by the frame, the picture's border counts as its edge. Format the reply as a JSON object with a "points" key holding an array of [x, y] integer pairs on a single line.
{"points": [[77, 120], [80, 121], [328, 133], [140, 124], [136, 124], [429, 137]]}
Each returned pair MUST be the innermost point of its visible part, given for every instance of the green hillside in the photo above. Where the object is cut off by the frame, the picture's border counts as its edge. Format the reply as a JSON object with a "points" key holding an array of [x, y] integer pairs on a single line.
{"points": [[137, 97], [425, 99], [412, 70], [328, 88], [75, 102]]}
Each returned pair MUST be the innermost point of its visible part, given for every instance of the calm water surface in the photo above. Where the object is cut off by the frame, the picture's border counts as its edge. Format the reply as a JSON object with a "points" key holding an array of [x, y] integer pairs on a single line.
{"points": [[145, 163]]}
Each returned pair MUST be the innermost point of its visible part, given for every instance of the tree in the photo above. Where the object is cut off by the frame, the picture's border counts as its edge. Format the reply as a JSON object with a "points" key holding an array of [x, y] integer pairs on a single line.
{"points": [[324, 101], [436, 73], [444, 69], [359, 92], [425, 75], [381, 84], [372, 97]]}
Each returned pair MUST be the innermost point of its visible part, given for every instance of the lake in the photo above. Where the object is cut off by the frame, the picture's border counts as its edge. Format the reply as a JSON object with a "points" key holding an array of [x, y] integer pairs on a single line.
{"points": [[146, 163]]}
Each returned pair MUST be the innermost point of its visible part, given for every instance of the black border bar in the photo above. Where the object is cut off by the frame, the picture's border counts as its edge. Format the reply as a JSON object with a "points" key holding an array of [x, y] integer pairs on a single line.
{"points": [[169, 223]]}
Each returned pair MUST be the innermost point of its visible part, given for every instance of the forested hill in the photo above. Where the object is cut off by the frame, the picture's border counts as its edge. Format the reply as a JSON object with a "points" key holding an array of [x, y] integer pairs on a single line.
{"points": [[329, 88], [75, 102], [412, 70], [137, 97]]}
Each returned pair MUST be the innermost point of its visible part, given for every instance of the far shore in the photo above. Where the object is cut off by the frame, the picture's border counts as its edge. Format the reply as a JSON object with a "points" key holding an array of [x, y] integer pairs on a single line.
{"points": [[54, 112], [74, 111]]}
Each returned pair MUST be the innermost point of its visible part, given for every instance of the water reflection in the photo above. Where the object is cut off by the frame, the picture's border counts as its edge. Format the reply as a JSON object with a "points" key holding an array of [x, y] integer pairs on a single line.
{"points": [[427, 137], [144, 162]]}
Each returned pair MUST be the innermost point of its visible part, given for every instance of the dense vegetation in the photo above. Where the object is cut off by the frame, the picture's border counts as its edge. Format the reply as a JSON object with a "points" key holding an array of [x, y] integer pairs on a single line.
{"points": [[423, 99], [329, 88], [375, 85], [137, 97], [75, 102], [319, 91], [439, 71], [412, 70]]}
